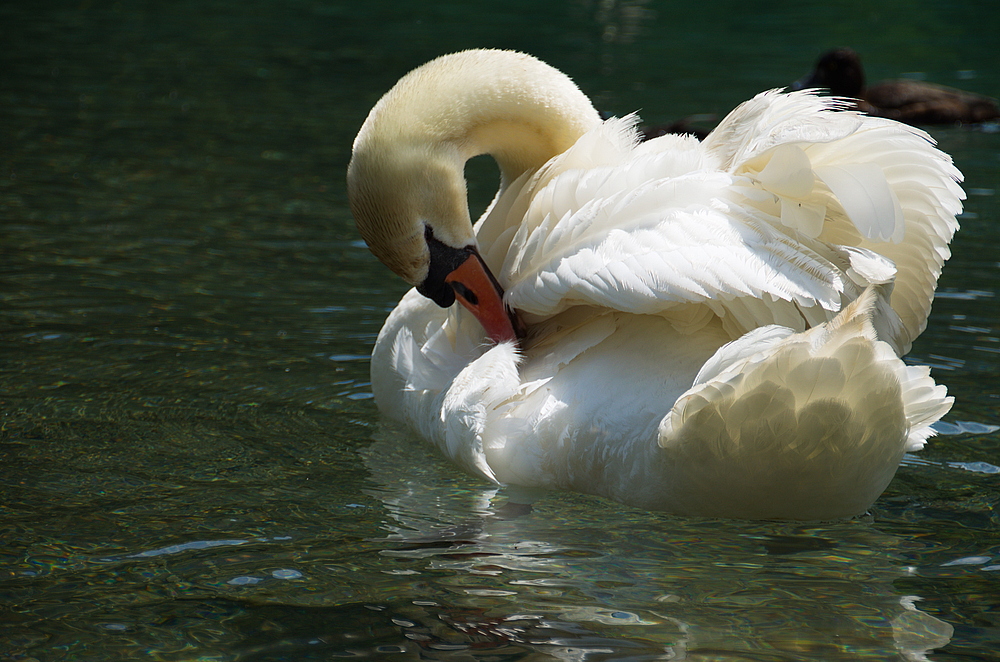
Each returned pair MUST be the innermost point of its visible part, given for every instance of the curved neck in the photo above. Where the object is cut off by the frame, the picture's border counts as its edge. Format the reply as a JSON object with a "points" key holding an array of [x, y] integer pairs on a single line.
{"points": [[509, 105], [407, 169]]}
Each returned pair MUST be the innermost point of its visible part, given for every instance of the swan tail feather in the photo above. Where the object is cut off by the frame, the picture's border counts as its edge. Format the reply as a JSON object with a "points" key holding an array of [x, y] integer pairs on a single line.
{"points": [[811, 422]]}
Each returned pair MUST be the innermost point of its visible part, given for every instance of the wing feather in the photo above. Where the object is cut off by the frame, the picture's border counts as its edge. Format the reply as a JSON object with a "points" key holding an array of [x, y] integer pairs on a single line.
{"points": [[783, 215]]}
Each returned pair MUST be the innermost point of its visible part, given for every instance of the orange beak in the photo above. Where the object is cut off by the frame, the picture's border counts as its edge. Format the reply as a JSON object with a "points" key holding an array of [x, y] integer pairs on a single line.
{"points": [[477, 290]]}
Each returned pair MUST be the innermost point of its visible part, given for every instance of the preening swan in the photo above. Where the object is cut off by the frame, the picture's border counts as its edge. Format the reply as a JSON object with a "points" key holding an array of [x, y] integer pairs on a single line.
{"points": [[704, 328]]}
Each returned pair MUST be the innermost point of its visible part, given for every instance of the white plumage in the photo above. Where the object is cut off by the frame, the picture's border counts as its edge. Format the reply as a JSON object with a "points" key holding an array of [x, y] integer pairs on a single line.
{"points": [[714, 328]]}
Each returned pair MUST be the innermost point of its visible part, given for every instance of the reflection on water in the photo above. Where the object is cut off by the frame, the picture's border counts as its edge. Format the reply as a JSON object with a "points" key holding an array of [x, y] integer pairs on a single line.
{"points": [[570, 582], [193, 468], [424, 560]]}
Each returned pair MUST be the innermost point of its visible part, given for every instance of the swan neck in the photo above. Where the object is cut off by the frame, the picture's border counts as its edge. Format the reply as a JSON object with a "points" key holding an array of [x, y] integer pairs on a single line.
{"points": [[511, 106], [518, 145], [407, 169]]}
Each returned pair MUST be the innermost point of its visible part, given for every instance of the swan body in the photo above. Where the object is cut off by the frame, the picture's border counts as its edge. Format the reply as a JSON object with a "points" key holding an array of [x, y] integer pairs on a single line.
{"points": [[708, 329]]}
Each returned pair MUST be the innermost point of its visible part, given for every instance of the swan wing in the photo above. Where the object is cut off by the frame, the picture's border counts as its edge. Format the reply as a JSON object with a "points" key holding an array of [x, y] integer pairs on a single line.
{"points": [[882, 186], [637, 239], [783, 215]]}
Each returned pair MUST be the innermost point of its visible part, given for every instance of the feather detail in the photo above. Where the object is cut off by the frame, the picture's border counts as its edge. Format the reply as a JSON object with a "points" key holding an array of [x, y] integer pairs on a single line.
{"points": [[832, 396]]}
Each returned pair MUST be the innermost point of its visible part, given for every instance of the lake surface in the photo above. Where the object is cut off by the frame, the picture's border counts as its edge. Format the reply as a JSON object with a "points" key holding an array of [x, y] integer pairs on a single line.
{"points": [[192, 464]]}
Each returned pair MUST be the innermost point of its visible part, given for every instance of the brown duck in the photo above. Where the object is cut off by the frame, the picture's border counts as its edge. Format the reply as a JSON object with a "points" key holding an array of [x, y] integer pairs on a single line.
{"points": [[911, 101]]}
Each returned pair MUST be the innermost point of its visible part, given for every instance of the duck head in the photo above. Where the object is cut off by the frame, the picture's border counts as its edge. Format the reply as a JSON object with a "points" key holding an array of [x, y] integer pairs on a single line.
{"points": [[839, 71], [406, 181]]}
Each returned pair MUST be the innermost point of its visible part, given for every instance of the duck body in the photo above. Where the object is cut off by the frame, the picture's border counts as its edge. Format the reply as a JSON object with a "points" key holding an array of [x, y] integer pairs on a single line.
{"points": [[911, 101], [708, 329]]}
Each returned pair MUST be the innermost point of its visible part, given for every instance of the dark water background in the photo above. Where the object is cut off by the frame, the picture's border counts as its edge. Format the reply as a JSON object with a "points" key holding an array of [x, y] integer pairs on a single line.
{"points": [[191, 466]]}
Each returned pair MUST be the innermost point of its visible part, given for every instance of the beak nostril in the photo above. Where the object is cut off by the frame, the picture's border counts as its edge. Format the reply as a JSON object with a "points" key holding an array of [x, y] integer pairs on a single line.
{"points": [[474, 287], [464, 292]]}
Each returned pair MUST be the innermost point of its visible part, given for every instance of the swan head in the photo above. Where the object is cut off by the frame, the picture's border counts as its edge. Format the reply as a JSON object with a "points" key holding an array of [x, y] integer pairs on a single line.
{"points": [[406, 183]]}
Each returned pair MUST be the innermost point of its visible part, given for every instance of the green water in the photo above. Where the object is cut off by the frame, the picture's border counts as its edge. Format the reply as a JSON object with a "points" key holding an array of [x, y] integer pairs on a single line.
{"points": [[191, 465]]}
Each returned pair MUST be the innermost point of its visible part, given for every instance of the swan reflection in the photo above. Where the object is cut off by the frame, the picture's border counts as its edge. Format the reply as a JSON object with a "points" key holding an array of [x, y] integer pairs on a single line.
{"points": [[577, 578]]}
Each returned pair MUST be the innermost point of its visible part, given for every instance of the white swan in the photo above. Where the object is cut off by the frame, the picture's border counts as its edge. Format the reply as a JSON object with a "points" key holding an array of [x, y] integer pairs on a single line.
{"points": [[707, 328]]}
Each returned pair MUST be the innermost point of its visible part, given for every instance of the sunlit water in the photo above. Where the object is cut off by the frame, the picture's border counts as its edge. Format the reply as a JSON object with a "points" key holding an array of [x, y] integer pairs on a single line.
{"points": [[192, 465]]}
